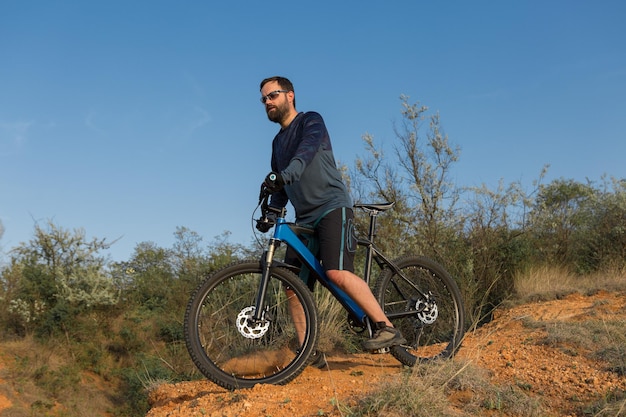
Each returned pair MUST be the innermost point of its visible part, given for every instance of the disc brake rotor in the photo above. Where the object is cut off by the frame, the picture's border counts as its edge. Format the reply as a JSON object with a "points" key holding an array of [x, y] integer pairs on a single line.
{"points": [[429, 311], [250, 328]]}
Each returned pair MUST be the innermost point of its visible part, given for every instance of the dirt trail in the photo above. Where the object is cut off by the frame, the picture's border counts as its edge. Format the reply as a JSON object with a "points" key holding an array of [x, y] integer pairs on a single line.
{"points": [[505, 347]]}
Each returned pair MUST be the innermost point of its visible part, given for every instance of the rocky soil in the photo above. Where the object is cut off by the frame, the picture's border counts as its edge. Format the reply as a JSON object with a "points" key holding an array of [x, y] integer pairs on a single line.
{"points": [[513, 354]]}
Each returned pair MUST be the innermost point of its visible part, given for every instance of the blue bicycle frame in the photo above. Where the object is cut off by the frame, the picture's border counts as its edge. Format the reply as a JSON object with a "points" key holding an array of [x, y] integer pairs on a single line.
{"points": [[284, 232]]}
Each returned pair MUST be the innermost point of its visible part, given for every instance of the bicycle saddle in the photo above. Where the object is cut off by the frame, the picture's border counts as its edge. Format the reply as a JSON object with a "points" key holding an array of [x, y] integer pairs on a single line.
{"points": [[377, 206]]}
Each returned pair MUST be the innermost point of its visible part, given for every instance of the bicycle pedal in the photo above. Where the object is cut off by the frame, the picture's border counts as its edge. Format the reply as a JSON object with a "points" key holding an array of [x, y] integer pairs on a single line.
{"points": [[382, 350]]}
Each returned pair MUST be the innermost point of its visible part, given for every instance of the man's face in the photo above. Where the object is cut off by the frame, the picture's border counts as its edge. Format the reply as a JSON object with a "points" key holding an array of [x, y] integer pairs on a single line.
{"points": [[278, 107]]}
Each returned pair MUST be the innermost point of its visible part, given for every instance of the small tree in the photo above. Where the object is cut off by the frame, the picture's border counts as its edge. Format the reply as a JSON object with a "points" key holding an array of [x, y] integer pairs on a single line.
{"points": [[58, 274], [149, 276], [417, 179], [599, 237], [558, 213], [495, 246], [188, 254], [222, 252], [607, 248]]}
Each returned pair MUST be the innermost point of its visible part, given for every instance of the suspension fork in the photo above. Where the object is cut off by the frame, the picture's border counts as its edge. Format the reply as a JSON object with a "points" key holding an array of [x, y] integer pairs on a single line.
{"points": [[266, 265]]}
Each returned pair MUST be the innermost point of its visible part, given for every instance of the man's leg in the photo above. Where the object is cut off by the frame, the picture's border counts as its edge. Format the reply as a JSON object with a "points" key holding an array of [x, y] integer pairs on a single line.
{"points": [[385, 335], [297, 315], [337, 249], [360, 292]]}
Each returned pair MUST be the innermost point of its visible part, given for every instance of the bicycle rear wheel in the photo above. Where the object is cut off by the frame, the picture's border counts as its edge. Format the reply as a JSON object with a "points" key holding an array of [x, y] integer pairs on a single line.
{"points": [[432, 318], [235, 351]]}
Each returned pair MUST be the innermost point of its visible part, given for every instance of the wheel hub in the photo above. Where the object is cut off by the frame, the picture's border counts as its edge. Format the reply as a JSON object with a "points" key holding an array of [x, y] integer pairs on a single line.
{"points": [[428, 311], [249, 327]]}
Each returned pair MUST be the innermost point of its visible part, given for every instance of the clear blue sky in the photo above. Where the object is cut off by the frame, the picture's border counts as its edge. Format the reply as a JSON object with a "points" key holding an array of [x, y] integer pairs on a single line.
{"points": [[130, 118]]}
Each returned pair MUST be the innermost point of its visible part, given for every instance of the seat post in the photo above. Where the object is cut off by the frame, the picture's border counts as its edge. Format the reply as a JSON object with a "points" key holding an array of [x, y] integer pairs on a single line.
{"points": [[372, 210], [369, 253], [372, 230]]}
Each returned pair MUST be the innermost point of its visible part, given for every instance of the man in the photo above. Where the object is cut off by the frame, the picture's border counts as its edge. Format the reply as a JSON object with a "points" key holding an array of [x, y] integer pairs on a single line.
{"points": [[304, 172]]}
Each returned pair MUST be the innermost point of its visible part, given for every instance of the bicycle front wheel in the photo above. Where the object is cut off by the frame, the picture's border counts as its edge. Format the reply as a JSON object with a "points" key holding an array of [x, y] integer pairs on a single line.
{"points": [[424, 302], [233, 349]]}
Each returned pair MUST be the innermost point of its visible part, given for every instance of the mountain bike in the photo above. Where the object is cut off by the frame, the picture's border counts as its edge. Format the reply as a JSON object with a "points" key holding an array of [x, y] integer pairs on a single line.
{"points": [[241, 329]]}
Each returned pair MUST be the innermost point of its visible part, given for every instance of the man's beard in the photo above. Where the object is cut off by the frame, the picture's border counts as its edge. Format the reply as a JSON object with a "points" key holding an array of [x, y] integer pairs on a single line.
{"points": [[278, 112]]}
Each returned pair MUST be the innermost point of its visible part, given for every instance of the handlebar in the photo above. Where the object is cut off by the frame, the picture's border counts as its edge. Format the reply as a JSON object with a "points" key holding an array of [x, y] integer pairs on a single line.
{"points": [[264, 194], [268, 213]]}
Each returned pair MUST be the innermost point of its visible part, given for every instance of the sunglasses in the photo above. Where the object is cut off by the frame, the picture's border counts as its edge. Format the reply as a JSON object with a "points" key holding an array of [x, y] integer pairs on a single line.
{"points": [[272, 95]]}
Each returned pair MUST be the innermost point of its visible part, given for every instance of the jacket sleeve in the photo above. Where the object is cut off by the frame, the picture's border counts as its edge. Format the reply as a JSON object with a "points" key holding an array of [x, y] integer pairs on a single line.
{"points": [[279, 199], [314, 137]]}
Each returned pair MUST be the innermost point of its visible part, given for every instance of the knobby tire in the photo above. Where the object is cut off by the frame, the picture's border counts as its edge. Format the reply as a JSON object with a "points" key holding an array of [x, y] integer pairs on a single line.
{"points": [[228, 348], [430, 334]]}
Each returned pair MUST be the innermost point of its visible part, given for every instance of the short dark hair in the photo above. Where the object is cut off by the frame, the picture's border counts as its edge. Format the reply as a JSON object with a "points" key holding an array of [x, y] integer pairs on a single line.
{"points": [[283, 82]]}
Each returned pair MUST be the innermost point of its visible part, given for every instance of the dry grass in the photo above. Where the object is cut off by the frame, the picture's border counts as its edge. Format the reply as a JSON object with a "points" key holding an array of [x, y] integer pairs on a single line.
{"points": [[45, 379], [549, 282], [443, 389], [332, 319]]}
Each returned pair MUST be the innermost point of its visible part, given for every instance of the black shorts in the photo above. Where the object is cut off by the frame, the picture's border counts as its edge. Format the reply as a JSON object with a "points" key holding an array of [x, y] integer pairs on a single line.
{"points": [[336, 239]]}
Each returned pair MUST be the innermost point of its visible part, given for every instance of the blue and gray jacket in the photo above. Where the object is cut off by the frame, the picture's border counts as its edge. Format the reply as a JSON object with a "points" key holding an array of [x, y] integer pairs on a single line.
{"points": [[303, 155]]}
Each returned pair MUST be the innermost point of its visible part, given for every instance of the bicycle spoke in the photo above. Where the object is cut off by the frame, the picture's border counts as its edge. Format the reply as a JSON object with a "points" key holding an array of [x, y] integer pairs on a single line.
{"points": [[424, 303], [232, 348]]}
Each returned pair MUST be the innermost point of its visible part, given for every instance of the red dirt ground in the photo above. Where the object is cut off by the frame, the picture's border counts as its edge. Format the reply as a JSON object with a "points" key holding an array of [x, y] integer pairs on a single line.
{"points": [[505, 347]]}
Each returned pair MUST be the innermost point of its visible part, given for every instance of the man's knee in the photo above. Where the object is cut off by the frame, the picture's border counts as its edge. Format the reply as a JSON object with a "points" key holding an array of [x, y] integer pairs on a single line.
{"points": [[339, 277]]}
